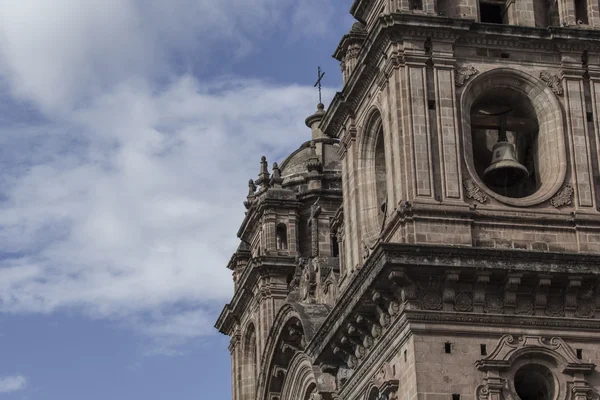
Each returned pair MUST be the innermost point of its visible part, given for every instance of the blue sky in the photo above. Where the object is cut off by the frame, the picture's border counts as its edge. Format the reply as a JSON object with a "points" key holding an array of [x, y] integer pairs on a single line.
{"points": [[128, 132]]}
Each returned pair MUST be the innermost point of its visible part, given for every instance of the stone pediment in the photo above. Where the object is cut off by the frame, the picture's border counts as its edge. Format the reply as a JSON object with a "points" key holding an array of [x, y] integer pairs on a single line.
{"points": [[509, 348]]}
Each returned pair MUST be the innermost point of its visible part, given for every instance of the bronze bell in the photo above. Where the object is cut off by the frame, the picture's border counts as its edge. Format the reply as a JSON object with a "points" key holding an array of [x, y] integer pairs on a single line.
{"points": [[505, 170]]}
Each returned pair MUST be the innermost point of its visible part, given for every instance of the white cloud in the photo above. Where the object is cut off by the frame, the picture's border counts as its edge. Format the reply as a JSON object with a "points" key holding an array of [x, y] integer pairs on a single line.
{"points": [[123, 196], [62, 53], [12, 383]]}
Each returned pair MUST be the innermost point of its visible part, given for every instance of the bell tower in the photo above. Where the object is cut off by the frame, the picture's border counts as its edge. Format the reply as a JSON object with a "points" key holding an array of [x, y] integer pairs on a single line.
{"points": [[471, 232], [443, 224]]}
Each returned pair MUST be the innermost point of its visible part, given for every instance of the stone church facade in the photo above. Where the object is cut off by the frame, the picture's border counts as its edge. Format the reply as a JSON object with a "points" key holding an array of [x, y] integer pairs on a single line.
{"points": [[438, 238]]}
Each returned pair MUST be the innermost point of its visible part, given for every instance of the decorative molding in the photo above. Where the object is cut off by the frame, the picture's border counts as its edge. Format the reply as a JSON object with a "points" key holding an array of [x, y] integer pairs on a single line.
{"points": [[564, 197], [464, 73], [472, 191], [509, 348], [553, 81]]}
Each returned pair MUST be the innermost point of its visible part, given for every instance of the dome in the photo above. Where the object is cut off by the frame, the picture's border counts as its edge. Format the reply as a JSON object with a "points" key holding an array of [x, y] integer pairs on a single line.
{"points": [[295, 167]]}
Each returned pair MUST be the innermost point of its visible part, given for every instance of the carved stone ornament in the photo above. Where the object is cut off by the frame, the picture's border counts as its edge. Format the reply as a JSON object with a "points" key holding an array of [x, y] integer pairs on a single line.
{"points": [[555, 307], [464, 73], [553, 82], [524, 307], [386, 382], [473, 192], [564, 197], [509, 348], [431, 300], [463, 302], [494, 303], [585, 308], [308, 282]]}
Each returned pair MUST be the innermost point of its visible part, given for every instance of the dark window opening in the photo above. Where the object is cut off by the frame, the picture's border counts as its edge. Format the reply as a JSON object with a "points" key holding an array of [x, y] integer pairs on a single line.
{"points": [[281, 237], [534, 382], [416, 4], [335, 247], [431, 104], [491, 13], [590, 117], [579, 354], [455, 396], [504, 55], [448, 347], [405, 356], [581, 14], [483, 350]]}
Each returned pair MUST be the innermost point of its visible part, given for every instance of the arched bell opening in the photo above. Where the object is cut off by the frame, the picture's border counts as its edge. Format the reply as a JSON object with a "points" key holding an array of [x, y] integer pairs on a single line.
{"points": [[504, 129], [530, 115]]}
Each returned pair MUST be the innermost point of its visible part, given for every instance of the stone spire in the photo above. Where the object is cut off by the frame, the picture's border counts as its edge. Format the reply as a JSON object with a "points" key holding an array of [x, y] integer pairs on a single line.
{"points": [[314, 122], [276, 179], [263, 176]]}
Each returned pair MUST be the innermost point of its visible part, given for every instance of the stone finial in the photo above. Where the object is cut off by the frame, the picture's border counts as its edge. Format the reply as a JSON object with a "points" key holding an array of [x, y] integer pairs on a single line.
{"points": [[251, 194], [263, 176], [276, 179], [251, 188], [314, 122]]}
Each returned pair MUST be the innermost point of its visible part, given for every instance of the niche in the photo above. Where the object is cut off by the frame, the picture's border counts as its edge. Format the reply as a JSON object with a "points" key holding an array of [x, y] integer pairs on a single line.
{"points": [[281, 237]]}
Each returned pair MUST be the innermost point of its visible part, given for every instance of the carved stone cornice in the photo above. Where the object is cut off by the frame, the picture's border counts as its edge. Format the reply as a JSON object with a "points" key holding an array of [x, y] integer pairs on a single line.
{"points": [[407, 262], [257, 268]]}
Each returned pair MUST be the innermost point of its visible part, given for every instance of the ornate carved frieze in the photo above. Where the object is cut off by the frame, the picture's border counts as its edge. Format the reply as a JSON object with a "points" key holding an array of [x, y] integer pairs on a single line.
{"points": [[564, 197], [553, 81], [474, 192], [464, 73]]}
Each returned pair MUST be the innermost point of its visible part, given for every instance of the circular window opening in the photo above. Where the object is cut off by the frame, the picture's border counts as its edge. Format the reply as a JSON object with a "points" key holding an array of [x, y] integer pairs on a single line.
{"points": [[534, 382], [504, 129]]}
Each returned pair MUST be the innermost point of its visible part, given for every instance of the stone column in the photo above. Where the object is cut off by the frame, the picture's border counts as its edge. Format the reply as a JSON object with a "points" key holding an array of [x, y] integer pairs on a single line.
{"points": [[466, 9], [447, 120], [418, 119], [521, 12], [593, 11], [577, 131], [566, 12]]}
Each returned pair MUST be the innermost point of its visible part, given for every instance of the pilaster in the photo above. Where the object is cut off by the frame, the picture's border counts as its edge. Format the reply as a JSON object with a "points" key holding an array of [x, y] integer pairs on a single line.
{"points": [[577, 131], [418, 119], [594, 75], [447, 120]]}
